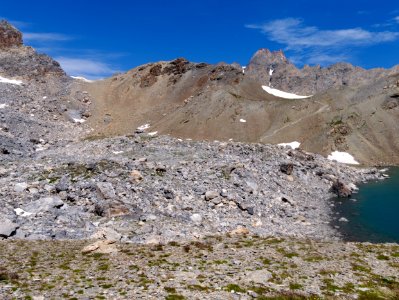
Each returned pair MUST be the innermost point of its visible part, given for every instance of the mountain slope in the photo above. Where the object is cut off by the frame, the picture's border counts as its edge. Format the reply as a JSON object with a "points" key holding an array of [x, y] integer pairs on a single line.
{"points": [[201, 101]]}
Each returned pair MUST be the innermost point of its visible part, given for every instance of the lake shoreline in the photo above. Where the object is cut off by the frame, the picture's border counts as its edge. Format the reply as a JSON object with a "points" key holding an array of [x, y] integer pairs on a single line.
{"points": [[361, 218]]}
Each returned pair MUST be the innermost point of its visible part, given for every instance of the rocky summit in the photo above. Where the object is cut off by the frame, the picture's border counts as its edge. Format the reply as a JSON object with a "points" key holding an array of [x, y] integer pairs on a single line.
{"points": [[179, 180], [9, 35]]}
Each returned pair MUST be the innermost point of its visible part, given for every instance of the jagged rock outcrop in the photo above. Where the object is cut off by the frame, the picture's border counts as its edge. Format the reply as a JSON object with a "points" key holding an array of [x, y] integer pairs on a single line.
{"points": [[17, 60], [9, 35], [308, 80]]}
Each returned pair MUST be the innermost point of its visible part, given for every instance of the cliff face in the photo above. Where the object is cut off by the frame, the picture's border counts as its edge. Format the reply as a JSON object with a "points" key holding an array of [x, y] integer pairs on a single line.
{"points": [[308, 80]]}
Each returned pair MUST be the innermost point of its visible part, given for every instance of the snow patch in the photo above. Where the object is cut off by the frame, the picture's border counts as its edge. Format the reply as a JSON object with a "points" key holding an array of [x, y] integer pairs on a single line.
{"points": [[45, 97], [22, 213], [10, 81], [77, 120], [40, 148], [281, 94], [342, 157], [117, 152], [143, 127], [152, 133], [243, 70], [293, 145], [82, 78], [243, 121], [271, 72], [3, 105]]}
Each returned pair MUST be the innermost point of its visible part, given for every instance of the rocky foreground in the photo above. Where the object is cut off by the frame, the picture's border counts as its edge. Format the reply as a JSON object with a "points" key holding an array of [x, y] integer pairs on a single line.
{"points": [[218, 267], [157, 189]]}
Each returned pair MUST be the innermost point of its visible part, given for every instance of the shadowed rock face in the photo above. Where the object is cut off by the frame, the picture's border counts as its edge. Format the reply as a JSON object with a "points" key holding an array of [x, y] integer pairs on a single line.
{"points": [[9, 35]]}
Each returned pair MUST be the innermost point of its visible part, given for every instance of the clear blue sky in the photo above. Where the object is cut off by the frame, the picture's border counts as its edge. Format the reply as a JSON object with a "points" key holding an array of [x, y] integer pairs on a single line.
{"points": [[97, 38]]}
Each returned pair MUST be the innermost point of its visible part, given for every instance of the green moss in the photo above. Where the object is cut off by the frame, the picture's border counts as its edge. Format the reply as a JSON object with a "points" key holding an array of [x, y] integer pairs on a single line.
{"points": [[287, 254], [234, 287], [197, 287], [266, 261], [315, 258], [329, 285], [370, 295], [295, 286], [170, 290], [174, 297], [382, 257], [360, 268], [173, 244], [348, 288], [103, 267], [220, 262]]}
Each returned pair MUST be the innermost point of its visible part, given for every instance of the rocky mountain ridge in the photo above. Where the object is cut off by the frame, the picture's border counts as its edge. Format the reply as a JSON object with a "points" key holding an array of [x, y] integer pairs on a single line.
{"points": [[309, 80]]}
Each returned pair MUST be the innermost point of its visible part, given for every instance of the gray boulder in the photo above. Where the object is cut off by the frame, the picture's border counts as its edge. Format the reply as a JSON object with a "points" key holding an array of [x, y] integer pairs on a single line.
{"points": [[7, 228], [44, 204], [106, 190]]}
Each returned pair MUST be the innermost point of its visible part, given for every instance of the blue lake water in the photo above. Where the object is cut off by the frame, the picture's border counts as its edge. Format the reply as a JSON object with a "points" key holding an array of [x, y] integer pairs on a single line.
{"points": [[374, 216]]}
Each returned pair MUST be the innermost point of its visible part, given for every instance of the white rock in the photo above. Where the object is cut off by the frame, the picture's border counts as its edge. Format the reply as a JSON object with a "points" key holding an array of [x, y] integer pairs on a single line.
{"points": [[20, 187], [197, 218]]}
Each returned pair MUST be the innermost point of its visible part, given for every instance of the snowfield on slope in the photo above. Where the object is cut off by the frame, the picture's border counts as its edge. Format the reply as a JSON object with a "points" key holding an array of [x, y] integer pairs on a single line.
{"points": [[293, 145], [343, 157], [281, 94], [10, 81]]}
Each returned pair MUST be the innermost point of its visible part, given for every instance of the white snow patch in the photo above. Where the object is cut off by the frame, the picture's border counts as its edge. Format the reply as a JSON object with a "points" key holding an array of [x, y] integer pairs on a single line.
{"points": [[117, 152], [271, 72], [152, 133], [82, 78], [21, 212], [342, 157], [243, 70], [76, 120], [243, 121], [293, 145], [143, 127], [10, 81], [40, 148], [3, 105], [281, 94], [45, 97]]}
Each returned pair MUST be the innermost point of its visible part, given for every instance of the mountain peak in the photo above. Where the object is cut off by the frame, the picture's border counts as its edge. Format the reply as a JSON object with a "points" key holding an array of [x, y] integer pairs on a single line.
{"points": [[9, 35], [266, 57]]}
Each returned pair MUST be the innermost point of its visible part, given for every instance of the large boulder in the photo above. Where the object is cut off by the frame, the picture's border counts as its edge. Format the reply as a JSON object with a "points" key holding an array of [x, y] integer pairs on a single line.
{"points": [[7, 228], [341, 189]]}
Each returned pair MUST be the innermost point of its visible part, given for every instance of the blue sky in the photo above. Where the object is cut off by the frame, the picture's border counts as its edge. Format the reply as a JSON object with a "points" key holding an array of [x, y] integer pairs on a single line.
{"points": [[96, 39]]}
